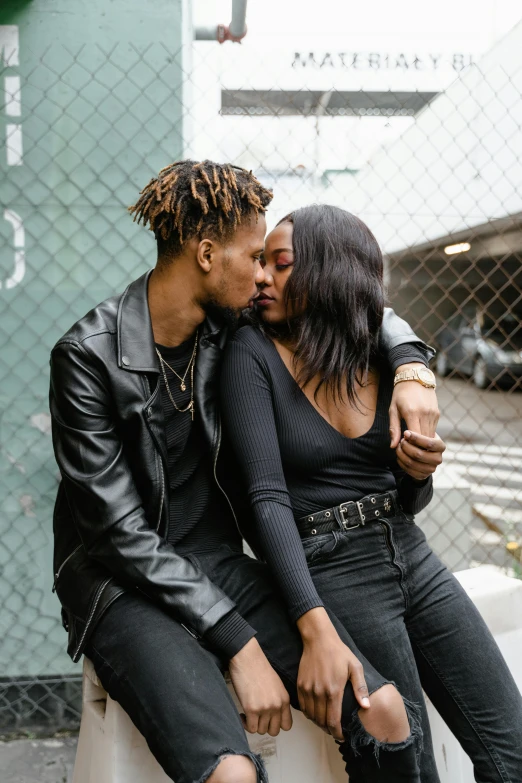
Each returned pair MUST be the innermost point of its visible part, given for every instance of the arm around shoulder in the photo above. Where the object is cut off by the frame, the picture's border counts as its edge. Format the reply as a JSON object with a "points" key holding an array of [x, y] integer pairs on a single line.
{"points": [[399, 343]]}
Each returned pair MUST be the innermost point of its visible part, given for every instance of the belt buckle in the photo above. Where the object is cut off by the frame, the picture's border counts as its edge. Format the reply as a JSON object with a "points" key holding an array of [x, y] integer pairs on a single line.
{"points": [[343, 507]]}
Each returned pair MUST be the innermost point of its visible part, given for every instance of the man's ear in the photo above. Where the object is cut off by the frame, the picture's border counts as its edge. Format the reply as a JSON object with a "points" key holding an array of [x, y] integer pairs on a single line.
{"points": [[205, 254]]}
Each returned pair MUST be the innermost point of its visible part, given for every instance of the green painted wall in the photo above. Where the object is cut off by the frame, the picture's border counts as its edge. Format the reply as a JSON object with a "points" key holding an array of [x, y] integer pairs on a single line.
{"points": [[100, 112]]}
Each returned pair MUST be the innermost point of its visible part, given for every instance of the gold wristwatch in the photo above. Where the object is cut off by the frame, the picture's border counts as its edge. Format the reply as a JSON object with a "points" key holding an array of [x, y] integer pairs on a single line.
{"points": [[419, 374]]}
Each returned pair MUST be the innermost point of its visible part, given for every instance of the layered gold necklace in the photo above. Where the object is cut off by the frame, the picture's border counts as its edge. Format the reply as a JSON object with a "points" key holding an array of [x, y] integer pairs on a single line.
{"points": [[181, 378]]}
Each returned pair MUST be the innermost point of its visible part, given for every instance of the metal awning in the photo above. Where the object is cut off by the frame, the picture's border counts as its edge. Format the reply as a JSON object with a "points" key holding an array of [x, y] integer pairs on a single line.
{"points": [[311, 102]]}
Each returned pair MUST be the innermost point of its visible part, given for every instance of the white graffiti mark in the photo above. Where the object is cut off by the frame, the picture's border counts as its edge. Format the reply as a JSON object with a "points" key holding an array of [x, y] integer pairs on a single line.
{"points": [[10, 58], [27, 503], [18, 465], [14, 145], [9, 45], [42, 422], [13, 101], [19, 243]]}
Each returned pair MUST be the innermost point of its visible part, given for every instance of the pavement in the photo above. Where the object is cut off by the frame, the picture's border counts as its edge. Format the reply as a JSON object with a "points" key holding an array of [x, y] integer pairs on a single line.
{"points": [[471, 415], [483, 433], [37, 760]]}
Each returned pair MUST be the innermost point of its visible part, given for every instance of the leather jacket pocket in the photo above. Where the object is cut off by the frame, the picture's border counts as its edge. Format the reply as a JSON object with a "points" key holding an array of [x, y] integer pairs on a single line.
{"points": [[63, 565]]}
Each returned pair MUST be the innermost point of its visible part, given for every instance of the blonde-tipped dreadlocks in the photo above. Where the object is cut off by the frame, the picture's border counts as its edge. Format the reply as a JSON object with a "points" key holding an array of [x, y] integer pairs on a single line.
{"points": [[188, 199]]}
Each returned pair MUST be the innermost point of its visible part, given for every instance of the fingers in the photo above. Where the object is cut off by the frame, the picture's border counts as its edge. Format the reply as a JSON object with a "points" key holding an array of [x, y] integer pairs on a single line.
{"points": [[334, 707], [274, 726], [395, 426], [269, 720], [309, 703], [320, 709], [250, 721], [286, 717], [280, 718], [306, 699], [417, 406], [419, 456], [359, 686], [266, 718], [415, 469], [324, 709], [420, 462], [415, 422], [424, 442], [415, 474], [427, 419]]}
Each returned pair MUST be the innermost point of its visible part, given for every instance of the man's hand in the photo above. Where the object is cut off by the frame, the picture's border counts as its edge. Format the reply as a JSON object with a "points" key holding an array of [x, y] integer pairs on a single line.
{"points": [[415, 404], [420, 456], [260, 691], [327, 665]]}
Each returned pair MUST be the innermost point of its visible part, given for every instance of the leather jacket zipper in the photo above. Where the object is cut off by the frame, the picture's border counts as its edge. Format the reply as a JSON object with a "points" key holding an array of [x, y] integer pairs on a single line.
{"points": [[57, 574], [216, 454], [96, 601], [162, 498], [158, 456]]}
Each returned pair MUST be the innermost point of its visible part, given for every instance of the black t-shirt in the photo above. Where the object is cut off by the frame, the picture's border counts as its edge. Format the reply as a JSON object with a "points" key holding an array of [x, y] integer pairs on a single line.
{"points": [[200, 519]]}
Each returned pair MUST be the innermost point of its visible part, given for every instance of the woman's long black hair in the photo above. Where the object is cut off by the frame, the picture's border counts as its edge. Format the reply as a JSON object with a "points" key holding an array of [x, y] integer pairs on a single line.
{"points": [[336, 286]]}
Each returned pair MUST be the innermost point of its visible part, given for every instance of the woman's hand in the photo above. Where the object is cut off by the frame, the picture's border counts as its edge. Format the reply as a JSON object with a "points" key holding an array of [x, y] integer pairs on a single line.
{"points": [[327, 664], [420, 456], [260, 691]]}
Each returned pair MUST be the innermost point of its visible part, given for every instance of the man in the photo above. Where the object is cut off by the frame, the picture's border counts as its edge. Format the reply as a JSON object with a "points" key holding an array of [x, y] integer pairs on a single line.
{"points": [[140, 512]]}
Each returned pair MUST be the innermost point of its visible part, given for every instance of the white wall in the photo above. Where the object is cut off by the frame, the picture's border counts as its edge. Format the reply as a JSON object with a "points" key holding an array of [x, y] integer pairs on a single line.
{"points": [[458, 166]]}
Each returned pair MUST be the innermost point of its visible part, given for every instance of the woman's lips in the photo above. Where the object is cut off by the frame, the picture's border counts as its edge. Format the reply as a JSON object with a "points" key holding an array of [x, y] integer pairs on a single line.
{"points": [[263, 300]]}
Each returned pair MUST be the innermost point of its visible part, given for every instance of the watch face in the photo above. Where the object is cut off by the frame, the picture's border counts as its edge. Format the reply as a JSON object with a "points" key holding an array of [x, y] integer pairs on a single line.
{"points": [[426, 375]]}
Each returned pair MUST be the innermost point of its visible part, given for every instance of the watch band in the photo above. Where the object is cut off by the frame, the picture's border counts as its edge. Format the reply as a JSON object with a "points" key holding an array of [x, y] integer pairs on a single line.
{"points": [[422, 375]]}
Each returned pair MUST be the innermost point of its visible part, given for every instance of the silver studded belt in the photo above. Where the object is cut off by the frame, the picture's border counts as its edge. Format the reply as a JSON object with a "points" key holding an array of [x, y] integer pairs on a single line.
{"points": [[349, 515]]}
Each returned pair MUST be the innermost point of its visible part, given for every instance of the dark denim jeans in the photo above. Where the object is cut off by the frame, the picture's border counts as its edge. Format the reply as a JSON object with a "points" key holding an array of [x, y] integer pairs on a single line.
{"points": [[173, 688], [411, 618], [170, 686]]}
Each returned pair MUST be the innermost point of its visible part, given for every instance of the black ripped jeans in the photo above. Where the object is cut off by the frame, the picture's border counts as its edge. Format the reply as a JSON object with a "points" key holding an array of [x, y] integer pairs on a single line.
{"points": [[174, 691], [412, 619]]}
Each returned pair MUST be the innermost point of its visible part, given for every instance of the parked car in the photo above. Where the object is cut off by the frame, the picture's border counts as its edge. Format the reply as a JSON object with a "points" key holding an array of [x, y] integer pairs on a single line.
{"points": [[487, 349]]}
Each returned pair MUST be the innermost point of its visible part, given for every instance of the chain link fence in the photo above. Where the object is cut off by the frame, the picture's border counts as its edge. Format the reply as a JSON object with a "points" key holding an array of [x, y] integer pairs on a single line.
{"points": [[437, 176]]}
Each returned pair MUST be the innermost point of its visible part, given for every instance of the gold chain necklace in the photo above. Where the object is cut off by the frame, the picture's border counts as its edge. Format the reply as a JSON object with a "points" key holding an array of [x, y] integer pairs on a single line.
{"points": [[191, 364], [182, 385]]}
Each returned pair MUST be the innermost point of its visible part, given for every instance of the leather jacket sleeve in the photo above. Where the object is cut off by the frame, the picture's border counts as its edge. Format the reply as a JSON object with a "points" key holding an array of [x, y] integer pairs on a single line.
{"points": [[395, 331], [105, 505]]}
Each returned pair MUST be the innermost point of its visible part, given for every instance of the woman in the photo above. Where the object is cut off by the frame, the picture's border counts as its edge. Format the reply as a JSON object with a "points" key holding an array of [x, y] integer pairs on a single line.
{"points": [[306, 401]]}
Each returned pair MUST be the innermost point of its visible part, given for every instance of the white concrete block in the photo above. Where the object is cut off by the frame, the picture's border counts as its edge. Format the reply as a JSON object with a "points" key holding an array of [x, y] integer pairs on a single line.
{"points": [[111, 750], [499, 600]]}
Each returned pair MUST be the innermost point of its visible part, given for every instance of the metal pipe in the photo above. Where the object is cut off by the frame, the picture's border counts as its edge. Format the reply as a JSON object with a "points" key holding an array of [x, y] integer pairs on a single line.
{"points": [[237, 26], [206, 33], [235, 31]]}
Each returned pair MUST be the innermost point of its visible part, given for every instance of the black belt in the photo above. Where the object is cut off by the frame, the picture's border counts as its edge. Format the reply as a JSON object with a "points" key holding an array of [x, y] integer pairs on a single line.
{"points": [[349, 515]]}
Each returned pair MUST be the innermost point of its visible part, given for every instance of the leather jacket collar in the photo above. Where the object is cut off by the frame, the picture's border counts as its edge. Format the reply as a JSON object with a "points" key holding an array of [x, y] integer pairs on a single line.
{"points": [[135, 337], [136, 352]]}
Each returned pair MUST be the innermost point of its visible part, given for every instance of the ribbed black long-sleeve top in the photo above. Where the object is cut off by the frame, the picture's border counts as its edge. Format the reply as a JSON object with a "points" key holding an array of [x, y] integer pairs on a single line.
{"points": [[295, 463]]}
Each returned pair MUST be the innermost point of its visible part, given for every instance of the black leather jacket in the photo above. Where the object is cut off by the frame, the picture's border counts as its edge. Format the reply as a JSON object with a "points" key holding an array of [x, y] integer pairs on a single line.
{"points": [[111, 512]]}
